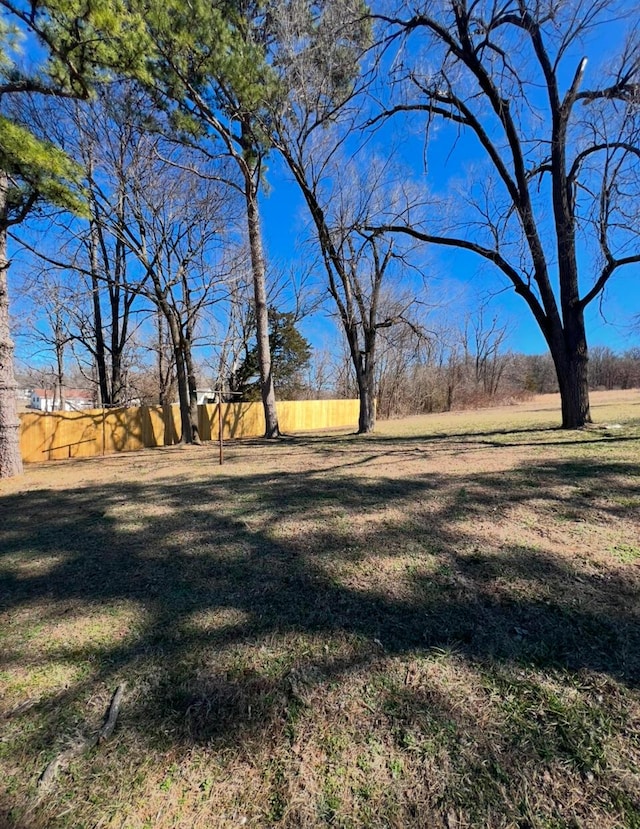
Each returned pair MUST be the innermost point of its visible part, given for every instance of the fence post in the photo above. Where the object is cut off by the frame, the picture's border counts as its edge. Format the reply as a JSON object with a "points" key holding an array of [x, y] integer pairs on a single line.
{"points": [[220, 428]]}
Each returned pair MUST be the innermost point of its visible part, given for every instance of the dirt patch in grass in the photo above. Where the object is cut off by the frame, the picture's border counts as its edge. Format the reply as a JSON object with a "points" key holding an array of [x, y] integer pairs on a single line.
{"points": [[437, 625]]}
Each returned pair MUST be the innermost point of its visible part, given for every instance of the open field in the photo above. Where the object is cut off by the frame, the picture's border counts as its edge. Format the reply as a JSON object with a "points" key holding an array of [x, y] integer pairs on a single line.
{"points": [[435, 626]]}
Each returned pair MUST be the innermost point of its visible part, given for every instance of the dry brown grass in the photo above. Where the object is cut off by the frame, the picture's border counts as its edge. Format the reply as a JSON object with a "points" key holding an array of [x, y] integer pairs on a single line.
{"points": [[437, 625]]}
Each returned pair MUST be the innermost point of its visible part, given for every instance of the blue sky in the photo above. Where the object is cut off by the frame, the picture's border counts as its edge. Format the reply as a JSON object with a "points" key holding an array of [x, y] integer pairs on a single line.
{"points": [[614, 321], [451, 274], [454, 273]]}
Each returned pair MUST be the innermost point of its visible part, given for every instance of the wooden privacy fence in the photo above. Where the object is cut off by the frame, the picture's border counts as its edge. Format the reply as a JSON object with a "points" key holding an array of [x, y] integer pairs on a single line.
{"points": [[49, 436]]}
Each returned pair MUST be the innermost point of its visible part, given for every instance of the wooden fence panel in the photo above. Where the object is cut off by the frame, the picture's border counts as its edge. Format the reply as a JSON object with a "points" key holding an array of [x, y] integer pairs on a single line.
{"points": [[313, 415], [57, 435]]}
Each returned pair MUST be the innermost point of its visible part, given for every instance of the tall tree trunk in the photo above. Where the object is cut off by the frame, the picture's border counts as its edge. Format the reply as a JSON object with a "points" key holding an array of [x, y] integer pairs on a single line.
{"points": [[166, 367], [120, 305], [59, 376], [364, 364], [571, 360], [183, 395], [571, 364], [117, 385], [191, 390], [260, 296], [576, 412], [162, 383], [10, 458], [574, 394], [568, 346], [179, 349], [366, 393], [367, 384], [186, 343], [181, 373], [100, 351]]}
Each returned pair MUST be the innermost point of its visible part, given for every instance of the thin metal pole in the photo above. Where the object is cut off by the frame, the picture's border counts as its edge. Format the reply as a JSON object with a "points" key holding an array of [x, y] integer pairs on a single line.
{"points": [[220, 427]]}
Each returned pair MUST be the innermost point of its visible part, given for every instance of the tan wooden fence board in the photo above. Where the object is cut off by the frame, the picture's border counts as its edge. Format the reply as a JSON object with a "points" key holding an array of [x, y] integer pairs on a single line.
{"points": [[57, 435]]}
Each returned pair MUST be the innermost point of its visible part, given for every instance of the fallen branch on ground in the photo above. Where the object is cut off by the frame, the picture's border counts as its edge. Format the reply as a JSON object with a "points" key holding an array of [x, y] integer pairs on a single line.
{"points": [[20, 708], [112, 715], [48, 776]]}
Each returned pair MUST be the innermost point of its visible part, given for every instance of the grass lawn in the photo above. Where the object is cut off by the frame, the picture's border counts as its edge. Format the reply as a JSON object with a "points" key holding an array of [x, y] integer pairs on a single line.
{"points": [[434, 626]]}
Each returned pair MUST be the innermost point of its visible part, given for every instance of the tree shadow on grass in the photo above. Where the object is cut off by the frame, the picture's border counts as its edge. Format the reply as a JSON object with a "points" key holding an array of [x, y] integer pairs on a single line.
{"points": [[255, 592], [376, 446]]}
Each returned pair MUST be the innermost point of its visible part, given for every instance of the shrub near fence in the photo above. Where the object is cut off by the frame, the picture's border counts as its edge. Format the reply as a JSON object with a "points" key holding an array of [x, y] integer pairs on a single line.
{"points": [[49, 436]]}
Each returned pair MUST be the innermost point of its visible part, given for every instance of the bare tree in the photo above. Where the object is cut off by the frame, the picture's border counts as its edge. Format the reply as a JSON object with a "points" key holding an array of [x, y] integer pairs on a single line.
{"points": [[318, 52], [72, 46], [88, 258], [401, 357], [51, 333], [165, 361], [553, 209], [158, 213], [342, 200], [223, 90], [291, 293], [484, 344], [175, 220]]}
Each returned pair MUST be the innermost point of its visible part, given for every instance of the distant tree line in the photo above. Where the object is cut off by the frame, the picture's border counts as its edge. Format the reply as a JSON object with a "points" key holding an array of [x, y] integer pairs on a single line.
{"points": [[444, 375], [416, 373]]}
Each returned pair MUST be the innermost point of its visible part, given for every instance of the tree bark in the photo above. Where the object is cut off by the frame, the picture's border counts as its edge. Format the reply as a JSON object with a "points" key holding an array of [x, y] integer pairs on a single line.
{"points": [[100, 351], [262, 312], [166, 373], [192, 391], [59, 373], [110, 281], [570, 357], [574, 395], [364, 365], [181, 348], [178, 357], [367, 383], [183, 395], [186, 343], [366, 393], [10, 458]]}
